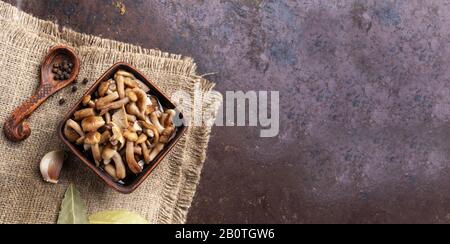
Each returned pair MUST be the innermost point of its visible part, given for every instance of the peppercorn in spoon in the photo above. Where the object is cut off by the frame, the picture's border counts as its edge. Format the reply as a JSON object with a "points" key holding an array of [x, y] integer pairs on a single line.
{"points": [[59, 69]]}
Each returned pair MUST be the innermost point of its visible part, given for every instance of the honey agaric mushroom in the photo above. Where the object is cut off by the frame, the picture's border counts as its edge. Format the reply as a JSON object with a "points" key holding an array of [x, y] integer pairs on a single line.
{"points": [[130, 82], [138, 150], [131, 137], [132, 95], [120, 82], [142, 139], [81, 114], [155, 120], [133, 109], [136, 127], [169, 126], [163, 119], [159, 147], [131, 118], [154, 134], [166, 134], [142, 101], [124, 73], [92, 124], [111, 154], [145, 152], [73, 131], [105, 101], [111, 170], [93, 139], [87, 101], [143, 86], [114, 105], [153, 105], [108, 117], [103, 88]]}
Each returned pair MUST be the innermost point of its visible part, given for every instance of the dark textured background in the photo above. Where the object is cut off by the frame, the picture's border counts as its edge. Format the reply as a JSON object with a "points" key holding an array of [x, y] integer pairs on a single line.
{"points": [[365, 102]]}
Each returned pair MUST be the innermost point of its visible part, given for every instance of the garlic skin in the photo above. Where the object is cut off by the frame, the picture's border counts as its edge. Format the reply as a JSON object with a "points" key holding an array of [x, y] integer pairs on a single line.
{"points": [[51, 165]]}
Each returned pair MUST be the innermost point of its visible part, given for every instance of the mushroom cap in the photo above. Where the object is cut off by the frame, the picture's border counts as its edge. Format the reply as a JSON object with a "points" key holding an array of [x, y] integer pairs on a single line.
{"points": [[131, 136], [92, 138], [92, 123], [142, 139], [71, 134], [108, 153], [86, 99], [103, 88]]}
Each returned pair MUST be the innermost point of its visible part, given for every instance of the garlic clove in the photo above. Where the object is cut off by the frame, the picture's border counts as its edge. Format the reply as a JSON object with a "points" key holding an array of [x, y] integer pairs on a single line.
{"points": [[51, 165]]}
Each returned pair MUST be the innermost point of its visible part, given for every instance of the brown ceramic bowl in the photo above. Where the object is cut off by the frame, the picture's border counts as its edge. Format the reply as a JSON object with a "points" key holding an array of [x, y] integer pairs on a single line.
{"points": [[132, 182]]}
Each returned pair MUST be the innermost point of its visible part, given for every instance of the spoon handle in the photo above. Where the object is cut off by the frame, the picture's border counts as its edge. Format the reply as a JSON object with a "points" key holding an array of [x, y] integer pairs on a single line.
{"points": [[16, 128]]}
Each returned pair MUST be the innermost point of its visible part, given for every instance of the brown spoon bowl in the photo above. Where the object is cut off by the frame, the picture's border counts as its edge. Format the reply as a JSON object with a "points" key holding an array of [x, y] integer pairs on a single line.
{"points": [[16, 128]]}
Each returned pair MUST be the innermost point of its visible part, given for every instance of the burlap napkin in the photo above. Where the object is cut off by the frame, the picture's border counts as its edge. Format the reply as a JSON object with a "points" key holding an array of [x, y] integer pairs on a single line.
{"points": [[24, 198]]}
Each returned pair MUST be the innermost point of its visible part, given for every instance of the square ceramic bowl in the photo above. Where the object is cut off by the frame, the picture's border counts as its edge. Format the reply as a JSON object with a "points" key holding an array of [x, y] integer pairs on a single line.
{"points": [[131, 183]]}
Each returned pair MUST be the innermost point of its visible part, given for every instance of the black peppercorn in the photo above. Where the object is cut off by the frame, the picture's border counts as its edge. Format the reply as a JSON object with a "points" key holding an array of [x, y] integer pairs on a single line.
{"points": [[85, 81], [74, 89], [62, 101]]}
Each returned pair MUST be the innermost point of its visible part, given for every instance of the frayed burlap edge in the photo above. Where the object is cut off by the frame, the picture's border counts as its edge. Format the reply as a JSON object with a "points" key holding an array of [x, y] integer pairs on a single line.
{"points": [[179, 192]]}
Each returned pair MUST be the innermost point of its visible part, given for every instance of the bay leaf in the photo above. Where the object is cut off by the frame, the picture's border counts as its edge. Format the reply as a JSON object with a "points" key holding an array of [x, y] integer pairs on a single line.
{"points": [[73, 208], [116, 217]]}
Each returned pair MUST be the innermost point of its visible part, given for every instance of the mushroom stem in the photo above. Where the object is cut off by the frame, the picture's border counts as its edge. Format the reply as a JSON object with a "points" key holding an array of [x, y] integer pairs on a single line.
{"points": [[114, 105], [132, 164], [96, 154], [104, 101], [81, 114], [120, 81], [108, 154], [142, 101], [131, 118], [76, 127], [103, 88], [146, 153], [156, 151], [111, 170], [130, 82], [124, 74], [138, 150], [155, 131], [107, 117], [134, 110], [155, 120]]}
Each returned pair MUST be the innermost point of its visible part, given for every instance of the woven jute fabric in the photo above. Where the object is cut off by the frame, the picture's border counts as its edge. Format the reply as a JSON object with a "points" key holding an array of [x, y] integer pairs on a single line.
{"points": [[165, 197]]}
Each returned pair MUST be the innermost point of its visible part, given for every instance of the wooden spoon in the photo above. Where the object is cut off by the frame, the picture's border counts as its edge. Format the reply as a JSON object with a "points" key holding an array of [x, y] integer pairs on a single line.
{"points": [[15, 127]]}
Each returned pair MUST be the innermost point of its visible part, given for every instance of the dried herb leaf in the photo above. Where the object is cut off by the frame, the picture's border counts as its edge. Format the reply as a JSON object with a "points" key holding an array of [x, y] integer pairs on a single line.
{"points": [[73, 208], [116, 217]]}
